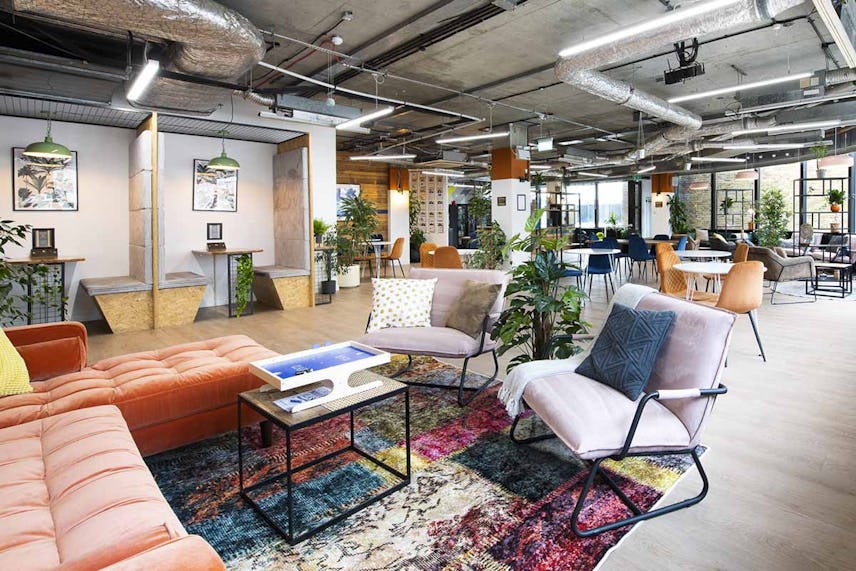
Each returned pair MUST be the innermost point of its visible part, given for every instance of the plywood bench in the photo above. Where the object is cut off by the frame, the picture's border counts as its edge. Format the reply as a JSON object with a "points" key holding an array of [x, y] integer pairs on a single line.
{"points": [[125, 302], [180, 296], [282, 287]]}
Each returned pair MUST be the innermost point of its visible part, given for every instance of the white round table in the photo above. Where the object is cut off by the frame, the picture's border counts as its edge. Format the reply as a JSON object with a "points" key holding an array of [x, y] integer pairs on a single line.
{"points": [[702, 254], [694, 269]]}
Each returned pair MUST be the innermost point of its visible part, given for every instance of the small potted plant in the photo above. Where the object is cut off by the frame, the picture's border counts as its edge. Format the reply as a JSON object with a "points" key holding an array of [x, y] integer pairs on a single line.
{"points": [[329, 256], [319, 228], [726, 204], [835, 197], [353, 239]]}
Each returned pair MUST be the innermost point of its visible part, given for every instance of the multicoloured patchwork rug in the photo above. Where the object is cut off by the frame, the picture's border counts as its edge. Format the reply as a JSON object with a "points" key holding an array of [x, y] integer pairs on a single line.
{"points": [[476, 499]]}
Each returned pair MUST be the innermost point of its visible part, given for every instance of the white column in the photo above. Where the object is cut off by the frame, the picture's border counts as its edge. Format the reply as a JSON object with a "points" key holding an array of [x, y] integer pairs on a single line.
{"points": [[504, 194], [399, 220]]}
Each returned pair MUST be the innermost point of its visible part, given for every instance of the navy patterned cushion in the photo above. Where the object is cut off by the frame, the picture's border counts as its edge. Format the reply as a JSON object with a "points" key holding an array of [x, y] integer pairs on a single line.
{"points": [[623, 355]]}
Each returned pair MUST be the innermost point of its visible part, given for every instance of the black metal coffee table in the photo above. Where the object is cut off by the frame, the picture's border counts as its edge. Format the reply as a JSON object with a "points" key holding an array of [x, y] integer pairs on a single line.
{"points": [[261, 401], [831, 279]]}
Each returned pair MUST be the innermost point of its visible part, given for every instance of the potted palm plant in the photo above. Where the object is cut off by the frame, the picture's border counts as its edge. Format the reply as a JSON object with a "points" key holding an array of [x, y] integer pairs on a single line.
{"points": [[353, 237]]}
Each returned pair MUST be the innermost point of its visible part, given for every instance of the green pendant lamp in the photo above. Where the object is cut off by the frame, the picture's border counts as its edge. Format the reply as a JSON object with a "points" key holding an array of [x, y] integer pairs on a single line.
{"points": [[224, 162], [47, 149]]}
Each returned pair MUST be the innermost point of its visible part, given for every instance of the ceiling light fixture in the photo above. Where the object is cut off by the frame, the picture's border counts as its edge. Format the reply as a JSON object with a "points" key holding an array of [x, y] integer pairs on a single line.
{"points": [[357, 121], [740, 87], [472, 138], [699, 185], [47, 149], [401, 157], [143, 79], [646, 169], [453, 174], [224, 162], [593, 174], [791, 127], [666, 21], [716, 160], [836, 29], [747, 175], [764, 146], [835, 161], [461, 185], [574, 142], [540, 167]]}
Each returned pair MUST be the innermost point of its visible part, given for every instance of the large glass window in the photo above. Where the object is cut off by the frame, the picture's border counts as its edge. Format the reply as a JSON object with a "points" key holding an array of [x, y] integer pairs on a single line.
{"points": [[612, 200], [587, 201], [734, 203]]}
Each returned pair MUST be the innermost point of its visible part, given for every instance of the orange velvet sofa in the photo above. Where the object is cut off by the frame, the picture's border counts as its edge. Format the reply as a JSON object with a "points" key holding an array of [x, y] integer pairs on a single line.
{"points": [[76, 495], [168, 397]]}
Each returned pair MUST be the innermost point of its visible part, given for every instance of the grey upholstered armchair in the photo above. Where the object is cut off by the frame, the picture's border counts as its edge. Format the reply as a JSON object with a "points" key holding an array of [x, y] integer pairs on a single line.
{"points": [[598, 422], [439, 340], [781, 269]]}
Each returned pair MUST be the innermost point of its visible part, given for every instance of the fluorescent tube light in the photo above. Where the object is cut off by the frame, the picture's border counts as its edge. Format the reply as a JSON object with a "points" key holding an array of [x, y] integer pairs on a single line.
{"points": [[741, 87], [764, 146], [574, 142], [382, 157], [540, 167], [666, 21], [646, 169], [472, 138], [716, 160], [441, 173], [456, 185], [143, 79], [792, 127], [593, 174], [357, 121]]}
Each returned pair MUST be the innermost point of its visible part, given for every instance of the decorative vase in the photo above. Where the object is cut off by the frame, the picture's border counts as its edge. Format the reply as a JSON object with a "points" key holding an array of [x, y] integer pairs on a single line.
{"points": [[835, 207], [350, 276]]}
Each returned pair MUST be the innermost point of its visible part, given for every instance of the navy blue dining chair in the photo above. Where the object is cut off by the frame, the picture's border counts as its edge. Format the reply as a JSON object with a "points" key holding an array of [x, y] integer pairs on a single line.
{"points": [[682, 243], [639, 254], [600, 265]]}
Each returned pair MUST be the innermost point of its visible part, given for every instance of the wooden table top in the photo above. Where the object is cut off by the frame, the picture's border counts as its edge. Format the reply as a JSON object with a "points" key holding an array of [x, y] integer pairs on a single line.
{"points": [[228, 251], [45, 260]]}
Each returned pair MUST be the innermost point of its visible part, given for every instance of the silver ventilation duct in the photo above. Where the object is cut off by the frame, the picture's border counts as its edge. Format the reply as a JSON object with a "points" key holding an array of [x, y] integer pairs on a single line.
{"points": [[579, 69], [208, 40]]}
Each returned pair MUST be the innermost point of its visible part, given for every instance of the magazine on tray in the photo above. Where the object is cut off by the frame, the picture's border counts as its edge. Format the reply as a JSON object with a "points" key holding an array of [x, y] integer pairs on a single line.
{"points": [[288, 403]]}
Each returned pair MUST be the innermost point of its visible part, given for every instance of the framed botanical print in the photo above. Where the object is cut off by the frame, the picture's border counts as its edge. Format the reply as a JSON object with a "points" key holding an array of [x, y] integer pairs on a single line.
{"points": [[43, 184], [214, 190]]}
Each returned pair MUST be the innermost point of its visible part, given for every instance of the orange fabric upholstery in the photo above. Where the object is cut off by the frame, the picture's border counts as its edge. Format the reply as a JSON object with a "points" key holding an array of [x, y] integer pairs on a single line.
{"points": [[672, 281], [77, 495], [29, 334], [741, 252], [447, 257], [743, 290], [154, 390], [53, 358], [189, 552], [427, 259]]}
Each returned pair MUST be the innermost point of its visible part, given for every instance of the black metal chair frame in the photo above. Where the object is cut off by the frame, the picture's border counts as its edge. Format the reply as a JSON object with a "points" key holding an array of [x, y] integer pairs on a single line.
{"points": [[475, 391], [638, 514]]}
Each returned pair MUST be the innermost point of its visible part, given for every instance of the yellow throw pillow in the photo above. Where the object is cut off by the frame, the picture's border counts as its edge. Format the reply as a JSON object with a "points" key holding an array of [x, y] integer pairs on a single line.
{"points": [[14, 378]]}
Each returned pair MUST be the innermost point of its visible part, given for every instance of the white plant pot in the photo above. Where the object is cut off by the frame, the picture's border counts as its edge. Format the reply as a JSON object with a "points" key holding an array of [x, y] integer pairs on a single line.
{"points": [[349, 277]]}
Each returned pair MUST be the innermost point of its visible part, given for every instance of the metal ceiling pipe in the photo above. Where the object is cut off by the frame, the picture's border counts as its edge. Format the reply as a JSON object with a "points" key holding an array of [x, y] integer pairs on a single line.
{"points": [[207, 40], [578, 69]]}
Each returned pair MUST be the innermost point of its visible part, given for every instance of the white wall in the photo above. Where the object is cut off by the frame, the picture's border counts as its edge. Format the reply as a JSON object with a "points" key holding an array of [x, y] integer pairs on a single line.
{"points": [[185, 229], [98, 231], [511, 220], [399, 220]]}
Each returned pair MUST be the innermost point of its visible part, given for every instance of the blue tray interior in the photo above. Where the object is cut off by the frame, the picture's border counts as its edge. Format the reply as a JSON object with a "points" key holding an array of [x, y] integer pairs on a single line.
{"points": [[322, 360]]}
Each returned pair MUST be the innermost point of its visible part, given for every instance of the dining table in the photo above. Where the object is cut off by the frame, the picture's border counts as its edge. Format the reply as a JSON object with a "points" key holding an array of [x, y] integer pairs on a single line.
{"points": [[694, 269], [703, 254], [377, 246]]}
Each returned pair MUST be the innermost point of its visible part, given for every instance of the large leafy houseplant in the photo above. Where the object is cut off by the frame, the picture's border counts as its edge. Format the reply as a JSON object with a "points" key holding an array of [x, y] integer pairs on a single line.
{"points": [[360, 221], [417, 234], [541, 315], [490, 254], [772, 218], [16, 280], [679, 218]]}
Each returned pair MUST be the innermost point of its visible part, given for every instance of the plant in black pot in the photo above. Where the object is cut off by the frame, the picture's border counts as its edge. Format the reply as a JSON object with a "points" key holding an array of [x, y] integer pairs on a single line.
{"points": [[541, 316], [679, 218], [319, 229], [327, 254]]}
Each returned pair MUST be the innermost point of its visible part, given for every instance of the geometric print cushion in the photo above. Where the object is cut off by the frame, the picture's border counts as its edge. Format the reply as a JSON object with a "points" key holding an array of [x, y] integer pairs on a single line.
{"points": [[625, 351], [401, 303]]}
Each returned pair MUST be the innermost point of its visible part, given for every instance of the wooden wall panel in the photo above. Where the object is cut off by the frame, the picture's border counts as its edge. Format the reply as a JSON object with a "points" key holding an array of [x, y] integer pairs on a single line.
{"points": [[505, 165], [373, 178]]}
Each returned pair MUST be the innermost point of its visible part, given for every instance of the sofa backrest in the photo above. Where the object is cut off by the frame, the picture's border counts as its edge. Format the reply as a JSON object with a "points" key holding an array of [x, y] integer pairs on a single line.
{"points": [[450, 283], [693, 355]]}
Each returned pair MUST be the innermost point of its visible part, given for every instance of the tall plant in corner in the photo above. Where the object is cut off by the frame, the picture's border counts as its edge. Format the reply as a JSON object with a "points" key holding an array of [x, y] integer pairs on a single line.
{"points": [[541, 315], [679, 218], [772, 218]]}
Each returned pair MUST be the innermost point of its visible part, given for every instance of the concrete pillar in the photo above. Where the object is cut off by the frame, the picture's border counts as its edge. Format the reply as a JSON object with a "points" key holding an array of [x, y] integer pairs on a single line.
{"points": [[510, 180]]}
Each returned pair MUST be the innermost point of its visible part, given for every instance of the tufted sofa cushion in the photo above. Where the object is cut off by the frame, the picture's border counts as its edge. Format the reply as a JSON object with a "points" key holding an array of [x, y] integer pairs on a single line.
{"points": [[150, 388], [77, 495]]}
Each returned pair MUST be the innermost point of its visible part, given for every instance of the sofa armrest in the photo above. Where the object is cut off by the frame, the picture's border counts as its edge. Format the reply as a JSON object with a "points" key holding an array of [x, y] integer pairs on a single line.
{"points": [[185, 553], [51, 349], [30, 334]]}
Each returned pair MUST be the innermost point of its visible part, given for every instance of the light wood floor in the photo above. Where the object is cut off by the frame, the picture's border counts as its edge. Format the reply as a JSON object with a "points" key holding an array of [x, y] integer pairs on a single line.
{"points": [[783, 440]]}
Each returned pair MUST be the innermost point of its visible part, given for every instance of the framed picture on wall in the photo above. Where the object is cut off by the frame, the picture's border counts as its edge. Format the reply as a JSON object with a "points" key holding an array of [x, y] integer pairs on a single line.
{"points": [[43, 184], [214, 190], [345, 191], [215, 231]]}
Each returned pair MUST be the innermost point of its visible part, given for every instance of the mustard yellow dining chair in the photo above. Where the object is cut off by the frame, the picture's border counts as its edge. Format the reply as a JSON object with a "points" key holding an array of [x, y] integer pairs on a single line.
{"points": [[448, 257], [426, 259]]}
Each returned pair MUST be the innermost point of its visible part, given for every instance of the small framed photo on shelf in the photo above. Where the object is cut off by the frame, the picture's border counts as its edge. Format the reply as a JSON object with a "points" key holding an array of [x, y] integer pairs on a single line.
{"points": [[500, 201], [215, 231], [44, 242]]}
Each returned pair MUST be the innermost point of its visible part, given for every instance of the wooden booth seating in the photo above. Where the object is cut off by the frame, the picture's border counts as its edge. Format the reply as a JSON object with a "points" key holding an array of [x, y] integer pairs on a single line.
{"points": [[125, 302], [282, 287], [180, 296]]}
